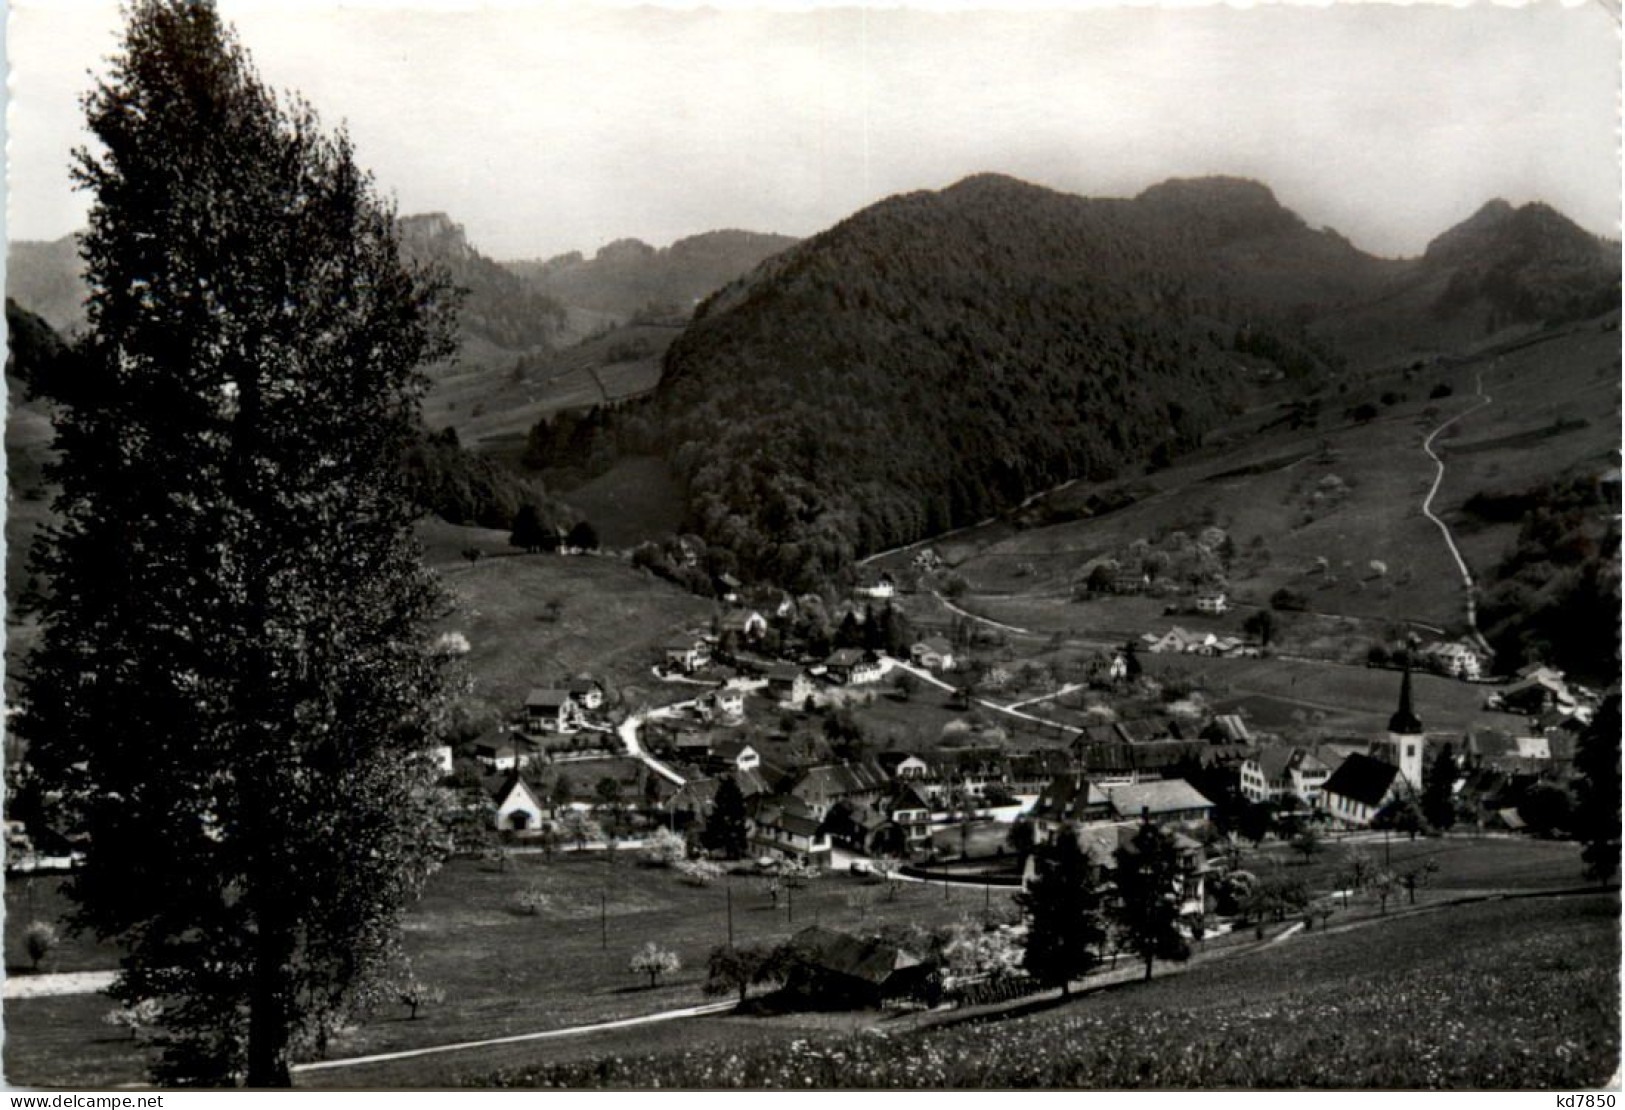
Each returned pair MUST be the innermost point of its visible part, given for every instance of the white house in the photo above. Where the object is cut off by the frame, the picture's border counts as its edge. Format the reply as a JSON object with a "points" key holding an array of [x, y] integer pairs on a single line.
{"points": [[687, 655], [853, 667], [1212, 601], [748, 624], [726, 702], [1277, 771], [790, 684], [587, 692], [1458, 659], [935, 653], [736, 755]]}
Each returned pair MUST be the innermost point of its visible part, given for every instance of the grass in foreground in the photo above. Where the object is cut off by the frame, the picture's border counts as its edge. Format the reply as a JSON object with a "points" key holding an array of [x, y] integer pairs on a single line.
{"points": [[1518, 994]]}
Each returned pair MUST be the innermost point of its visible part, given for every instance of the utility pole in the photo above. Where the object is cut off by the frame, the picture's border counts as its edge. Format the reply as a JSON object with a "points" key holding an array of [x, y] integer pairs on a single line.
{"points": [[790, 899], [729, 890], [603, 919]]}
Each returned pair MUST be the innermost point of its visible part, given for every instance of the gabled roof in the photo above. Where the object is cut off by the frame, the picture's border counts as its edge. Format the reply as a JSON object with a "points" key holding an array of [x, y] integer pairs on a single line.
{"points": [[1161, 796], [1068, 797], [784, 672], [542, 698], [937, 644], [732, 749], [869, 959], [1232, 728], [500, 787], [837, 780], [906, 797], [1362, 779], [845, 657]]}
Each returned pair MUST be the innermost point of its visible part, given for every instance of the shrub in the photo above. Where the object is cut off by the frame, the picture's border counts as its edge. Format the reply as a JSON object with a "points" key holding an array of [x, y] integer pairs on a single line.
{"points": [[40, 941]]}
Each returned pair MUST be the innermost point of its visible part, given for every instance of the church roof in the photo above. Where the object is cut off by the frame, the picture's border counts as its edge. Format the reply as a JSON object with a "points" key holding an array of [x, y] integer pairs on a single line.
{"points": [[1405, 722]]}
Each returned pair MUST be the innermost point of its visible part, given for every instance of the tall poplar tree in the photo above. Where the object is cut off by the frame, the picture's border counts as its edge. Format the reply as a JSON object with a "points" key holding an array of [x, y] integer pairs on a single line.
{"points": [[235, 692]]}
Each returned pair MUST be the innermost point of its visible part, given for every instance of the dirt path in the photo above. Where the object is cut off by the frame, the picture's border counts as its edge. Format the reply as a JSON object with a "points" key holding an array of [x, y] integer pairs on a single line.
{"points": [[518, 1038], [1444, 529]]}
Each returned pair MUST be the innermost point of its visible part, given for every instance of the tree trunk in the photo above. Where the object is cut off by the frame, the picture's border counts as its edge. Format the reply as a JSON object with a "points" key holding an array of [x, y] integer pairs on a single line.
{"points": [[269, 1009]]}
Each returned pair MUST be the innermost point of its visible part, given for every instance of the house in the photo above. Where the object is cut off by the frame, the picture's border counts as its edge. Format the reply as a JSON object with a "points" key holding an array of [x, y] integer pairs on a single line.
{"points": [[1069, 799], [831, 968], [1227, 728], [687, 655], [935, 653], [1458, 659], [852, 667], [736, 755], [747, 624], [1212, 602], [444, 760], [1359, 787], [1536, 690], [1109, 667], [790, 684], [696, 796], [1130, 582], [552, 710], [883, 588], [1162, 801], [911, 814], [507, 752], [1278, 771], [820, 787], [904, 766], [726, 702], [787, 828], [728, 588], [1175, 641], [587, 692], [518, 804], [1031, 772]]}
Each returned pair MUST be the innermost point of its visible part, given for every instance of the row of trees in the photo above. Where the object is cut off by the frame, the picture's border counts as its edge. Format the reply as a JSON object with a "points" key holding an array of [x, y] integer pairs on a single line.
{"points": [[1071, 903]]}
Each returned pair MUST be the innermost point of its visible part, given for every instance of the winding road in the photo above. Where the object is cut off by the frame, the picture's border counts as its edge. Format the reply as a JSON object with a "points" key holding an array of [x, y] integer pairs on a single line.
{"points": [[1444, 529]]}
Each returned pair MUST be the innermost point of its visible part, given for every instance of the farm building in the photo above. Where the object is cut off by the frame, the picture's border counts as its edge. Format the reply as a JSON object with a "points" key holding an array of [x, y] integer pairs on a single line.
{"points": [[687, 655], [788, 829], [830, 968], [790, 684], [853, 667], [1212, 602], [935, 653]]}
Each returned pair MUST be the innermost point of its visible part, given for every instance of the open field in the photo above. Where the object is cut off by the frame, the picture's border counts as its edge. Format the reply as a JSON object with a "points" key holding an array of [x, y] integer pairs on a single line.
{"points": [[1466, 864], [1349, 700], [637, 499], [1520, 994], [613, 620], [506, 971], [1345, 492]]}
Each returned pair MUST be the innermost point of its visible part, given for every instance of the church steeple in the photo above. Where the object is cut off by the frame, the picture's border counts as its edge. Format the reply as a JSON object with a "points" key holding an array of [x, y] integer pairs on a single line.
{"points": [[1405, 722]]}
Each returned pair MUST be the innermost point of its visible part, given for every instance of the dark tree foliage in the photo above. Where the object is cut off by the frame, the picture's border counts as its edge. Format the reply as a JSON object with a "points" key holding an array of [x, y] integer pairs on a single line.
{"points": [[234, 692], [583, 536], [1555, 597], [935, 359], [1438, 797], [461, 487], [1596, 817], [1150, 878], [532, 531], [726, 831], [1066, 921]]}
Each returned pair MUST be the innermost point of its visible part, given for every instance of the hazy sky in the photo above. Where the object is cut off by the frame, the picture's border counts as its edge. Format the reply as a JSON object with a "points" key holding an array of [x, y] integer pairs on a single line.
{"points": [[561, 127]]}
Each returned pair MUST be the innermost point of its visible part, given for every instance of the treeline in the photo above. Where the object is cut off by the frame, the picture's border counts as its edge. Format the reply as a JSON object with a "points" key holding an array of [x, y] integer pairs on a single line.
{"points": [[461, 487], [1555, 596], [931, 361]]}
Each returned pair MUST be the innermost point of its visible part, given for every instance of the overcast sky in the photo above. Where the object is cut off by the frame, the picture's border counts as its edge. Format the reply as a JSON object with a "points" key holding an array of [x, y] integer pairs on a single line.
{"points": [[546, 129]]}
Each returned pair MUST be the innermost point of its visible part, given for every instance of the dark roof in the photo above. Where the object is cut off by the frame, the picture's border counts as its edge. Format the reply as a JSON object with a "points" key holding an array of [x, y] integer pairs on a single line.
{"points": [[1405, 722], [585, 685], [837, 780], [906, 797], [1070, 797], [730, 749], [1362, 778], [500, 786], [547, 699], [869, 959], [783, 672], [845, 657]]}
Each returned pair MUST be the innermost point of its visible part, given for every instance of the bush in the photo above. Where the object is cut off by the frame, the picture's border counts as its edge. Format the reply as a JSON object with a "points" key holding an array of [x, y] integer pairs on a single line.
{"points": [[664, 849], [40, 941]]}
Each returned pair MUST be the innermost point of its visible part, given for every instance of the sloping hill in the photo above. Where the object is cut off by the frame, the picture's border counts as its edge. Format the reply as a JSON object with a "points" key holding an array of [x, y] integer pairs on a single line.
{"points": [[940, 356], [629, 277]]}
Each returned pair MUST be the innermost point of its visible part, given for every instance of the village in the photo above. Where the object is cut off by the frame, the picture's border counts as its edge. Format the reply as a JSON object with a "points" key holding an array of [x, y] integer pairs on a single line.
{"points": [[909, 751]]}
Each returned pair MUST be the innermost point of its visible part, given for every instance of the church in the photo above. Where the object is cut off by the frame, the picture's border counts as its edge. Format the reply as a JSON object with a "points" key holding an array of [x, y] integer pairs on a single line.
{"points": [[1392, 768]]}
